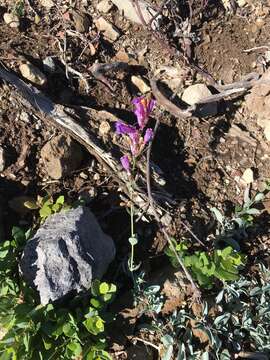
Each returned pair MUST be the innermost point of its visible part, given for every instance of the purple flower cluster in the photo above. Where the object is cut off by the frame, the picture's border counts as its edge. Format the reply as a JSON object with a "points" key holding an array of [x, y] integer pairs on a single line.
{"points": [[138, 135]]}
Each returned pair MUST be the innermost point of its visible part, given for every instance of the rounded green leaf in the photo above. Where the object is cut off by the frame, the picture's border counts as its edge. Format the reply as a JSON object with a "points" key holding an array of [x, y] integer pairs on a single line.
{"points": [[104, 288]]}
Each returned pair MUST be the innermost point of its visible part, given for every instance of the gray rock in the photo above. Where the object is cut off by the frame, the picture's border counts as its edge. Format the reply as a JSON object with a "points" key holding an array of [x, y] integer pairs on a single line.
{"points": [[129, 11], [68, 251]]}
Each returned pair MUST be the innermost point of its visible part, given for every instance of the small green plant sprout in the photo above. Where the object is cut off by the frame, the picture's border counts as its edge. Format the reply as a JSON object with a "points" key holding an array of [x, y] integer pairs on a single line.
{"points": [[47, 206], [205, 267], [232, 230]]}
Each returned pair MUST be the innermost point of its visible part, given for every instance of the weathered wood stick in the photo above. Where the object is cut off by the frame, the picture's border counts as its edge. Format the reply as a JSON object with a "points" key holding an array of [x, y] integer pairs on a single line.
{"points": [[58, 116]]}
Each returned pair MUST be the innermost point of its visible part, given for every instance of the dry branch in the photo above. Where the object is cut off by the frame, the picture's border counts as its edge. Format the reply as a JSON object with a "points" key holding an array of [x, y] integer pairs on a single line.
{"points": [[59, 117]]}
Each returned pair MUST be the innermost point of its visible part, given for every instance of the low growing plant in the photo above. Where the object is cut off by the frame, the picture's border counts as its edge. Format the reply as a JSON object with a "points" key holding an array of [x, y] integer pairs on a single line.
{"points": [[32, 331], [205, 267], [238, 321], [47, 206]]}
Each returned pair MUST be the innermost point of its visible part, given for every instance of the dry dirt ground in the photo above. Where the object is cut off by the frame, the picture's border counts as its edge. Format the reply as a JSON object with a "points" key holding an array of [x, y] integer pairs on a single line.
{"points": [[203, 159]]}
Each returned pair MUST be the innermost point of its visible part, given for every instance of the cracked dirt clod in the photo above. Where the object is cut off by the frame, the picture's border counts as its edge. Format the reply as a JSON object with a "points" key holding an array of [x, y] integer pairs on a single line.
{"points": [[60, 156]]}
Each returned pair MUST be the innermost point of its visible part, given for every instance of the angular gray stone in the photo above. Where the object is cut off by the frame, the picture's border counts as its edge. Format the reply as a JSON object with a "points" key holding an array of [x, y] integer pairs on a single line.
{"points": [[68, 251]]}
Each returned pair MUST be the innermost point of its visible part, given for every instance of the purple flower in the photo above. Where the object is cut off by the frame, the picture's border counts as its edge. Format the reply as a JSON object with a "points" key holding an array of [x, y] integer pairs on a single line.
{"points": [[143, 108], [148, 135], [125, 163], [135, 142], [122, 129]]}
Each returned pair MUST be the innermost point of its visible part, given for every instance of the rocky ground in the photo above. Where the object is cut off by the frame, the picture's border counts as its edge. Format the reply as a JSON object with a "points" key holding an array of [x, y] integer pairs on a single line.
{"points": [[207, 159]]}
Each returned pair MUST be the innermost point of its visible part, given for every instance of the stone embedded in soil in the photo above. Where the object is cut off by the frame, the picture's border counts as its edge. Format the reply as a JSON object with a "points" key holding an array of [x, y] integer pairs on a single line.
{"points": [[107, 28], [197, 92], [248, 176], [12, 20], [60, 156], [105, 6], [47, 3], [127, 8], [141, 84], [2, 159], [33, 74], [67, 252], [258, 103]]}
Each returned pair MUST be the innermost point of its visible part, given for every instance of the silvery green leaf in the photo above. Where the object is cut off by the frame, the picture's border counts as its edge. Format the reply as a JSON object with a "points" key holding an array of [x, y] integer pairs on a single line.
{"points": [[219, 297], [253, 211], [218, 215], [168, 354], [217, 343], [222, 319], [255, 291], [246, 197], [205, 308], [259, 197], [225, 355], [181, 352], [205, 356], [167, 340]]}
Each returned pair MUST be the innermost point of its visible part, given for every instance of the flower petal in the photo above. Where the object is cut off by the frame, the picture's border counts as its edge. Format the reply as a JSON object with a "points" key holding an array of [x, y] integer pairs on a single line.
{"points": [[122, 128], [125, 163], [148, 135]]}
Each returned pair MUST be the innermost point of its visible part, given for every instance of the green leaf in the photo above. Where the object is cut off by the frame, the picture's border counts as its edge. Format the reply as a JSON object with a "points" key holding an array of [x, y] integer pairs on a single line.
{"points": [[94, 325], [60, 200], [104, 288], [31, 205], [96, 303], [56, 208], [47, 344], [68, 330], [45, 211], [133, 241], [75, 348], [218, 215]]}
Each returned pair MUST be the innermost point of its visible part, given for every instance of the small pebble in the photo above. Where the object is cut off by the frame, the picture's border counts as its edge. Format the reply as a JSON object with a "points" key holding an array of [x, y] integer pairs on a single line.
{"points": [[104, 6], [12, 20], [108, 29], [33, 74], [140, 83]]}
